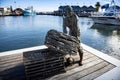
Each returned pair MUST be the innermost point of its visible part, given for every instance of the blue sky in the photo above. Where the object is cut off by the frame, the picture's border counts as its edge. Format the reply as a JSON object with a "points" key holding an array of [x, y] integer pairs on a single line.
{"points": [[50, 5]]}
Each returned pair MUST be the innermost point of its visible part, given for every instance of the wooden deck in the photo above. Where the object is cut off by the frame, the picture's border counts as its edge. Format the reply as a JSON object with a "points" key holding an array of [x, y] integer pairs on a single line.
{"points": [[92, 68], [12, 68]]}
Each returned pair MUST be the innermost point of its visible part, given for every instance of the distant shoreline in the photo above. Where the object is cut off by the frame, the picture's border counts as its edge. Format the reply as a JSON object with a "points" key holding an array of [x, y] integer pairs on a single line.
{"points": [[44, 14]]}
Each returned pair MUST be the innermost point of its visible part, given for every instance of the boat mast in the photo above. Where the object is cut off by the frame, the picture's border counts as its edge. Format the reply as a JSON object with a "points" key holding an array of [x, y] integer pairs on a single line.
{"points": [[114, 7]]}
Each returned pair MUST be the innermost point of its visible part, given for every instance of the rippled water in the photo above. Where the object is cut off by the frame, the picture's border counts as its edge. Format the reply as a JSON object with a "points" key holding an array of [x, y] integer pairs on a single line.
{"points": [[18, 32]]}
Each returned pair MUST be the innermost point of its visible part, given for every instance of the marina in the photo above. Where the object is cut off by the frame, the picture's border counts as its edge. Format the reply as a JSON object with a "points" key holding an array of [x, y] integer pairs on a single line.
{"points": [[39, 42]]}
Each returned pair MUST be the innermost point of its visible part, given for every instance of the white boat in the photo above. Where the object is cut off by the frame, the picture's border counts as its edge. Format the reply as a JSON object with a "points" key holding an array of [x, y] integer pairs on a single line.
{"points": [[111, 16], [29, 11]]}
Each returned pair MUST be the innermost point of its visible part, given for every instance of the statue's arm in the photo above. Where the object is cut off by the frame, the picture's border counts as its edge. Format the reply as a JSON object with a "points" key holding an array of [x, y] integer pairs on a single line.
{"points": [[77, 27], [64, 25]]}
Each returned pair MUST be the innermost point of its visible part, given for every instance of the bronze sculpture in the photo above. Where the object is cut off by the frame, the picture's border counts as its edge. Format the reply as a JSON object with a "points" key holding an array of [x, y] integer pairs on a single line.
{"points": [[71, 21]]}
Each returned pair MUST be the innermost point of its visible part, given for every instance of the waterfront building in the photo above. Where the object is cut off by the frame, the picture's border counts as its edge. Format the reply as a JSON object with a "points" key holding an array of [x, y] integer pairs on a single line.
{"points": [[1, 11], [76, 9], [62, 9], [91, 9], [84, 9], [5, 10], [80, 11]]}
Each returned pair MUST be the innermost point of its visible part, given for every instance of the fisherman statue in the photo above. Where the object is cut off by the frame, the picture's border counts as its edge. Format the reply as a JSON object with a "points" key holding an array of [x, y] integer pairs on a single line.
{"points": [[70, 20], [69, 45]]}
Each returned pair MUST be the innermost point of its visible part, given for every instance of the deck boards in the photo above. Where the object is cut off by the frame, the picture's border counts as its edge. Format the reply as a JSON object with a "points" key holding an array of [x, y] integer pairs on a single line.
{"points": [[92, 68], [12, 68], [97, 73], [84, 72]]}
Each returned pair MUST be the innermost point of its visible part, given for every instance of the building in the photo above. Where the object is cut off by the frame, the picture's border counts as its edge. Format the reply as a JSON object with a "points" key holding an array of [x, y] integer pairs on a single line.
{"points": [[1, 11], [91, 9], [62, 10], [5, 10], [76, 9]]}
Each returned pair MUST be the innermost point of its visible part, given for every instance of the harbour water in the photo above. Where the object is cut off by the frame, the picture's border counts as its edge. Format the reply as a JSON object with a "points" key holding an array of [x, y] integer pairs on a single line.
{"points": [[18, 32]]}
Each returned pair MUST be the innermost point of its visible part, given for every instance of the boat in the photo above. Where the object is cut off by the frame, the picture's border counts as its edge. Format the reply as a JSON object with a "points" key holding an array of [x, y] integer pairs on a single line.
{"points": [[29, 11], [105, 27], [110, 16]]}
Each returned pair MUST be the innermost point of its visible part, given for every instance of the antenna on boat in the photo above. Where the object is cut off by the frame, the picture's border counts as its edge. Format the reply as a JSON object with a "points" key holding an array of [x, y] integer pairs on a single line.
{"points": [[113, 4]]}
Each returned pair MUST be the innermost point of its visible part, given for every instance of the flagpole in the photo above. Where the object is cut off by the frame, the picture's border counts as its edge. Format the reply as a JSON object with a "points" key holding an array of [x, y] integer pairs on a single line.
{"points": [[114, 7]]}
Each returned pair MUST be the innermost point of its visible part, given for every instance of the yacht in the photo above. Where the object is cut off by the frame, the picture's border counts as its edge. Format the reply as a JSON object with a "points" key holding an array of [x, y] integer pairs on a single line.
{"points": [[111, 15]]}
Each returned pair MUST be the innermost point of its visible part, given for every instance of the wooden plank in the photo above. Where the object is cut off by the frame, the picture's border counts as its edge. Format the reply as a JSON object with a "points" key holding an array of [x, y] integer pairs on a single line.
{"points": [[97, 73], [9, 58], [84, 63], [10, 61], [88, 56], [12, 65], [84, 72], [77, 58], [14, 73], [3, 58], [11, 69], [73, 71], [89, 60], [86, 52]]}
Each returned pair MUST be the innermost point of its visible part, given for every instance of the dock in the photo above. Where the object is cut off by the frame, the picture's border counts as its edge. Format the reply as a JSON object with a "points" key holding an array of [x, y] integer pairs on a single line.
{"points": [[96, 66]]}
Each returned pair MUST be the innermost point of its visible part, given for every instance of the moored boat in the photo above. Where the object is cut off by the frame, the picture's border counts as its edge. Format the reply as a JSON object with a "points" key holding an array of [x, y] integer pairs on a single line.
{"points": [[111, 15], [29, 11]]}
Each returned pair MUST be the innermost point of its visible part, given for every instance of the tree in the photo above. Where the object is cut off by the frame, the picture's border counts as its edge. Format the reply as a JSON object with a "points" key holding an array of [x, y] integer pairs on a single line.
{"points": [[97, 5]]}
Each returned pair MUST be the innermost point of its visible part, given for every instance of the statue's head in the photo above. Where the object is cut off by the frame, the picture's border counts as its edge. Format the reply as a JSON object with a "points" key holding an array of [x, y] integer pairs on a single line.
{"points": [[69, 10]]}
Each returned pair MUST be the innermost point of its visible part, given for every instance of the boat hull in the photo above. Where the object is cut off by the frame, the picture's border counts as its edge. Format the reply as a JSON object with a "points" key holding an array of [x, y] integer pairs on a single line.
{"points": [[26, 13], [106, 20]]}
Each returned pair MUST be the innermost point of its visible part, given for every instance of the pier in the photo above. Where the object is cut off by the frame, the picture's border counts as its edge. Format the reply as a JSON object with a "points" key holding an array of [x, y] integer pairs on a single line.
{"points": [[96, 65]]}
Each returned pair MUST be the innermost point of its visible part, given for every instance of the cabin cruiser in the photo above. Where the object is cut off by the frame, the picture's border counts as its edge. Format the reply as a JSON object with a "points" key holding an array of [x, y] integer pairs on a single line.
{"points": [[111, 15]]}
